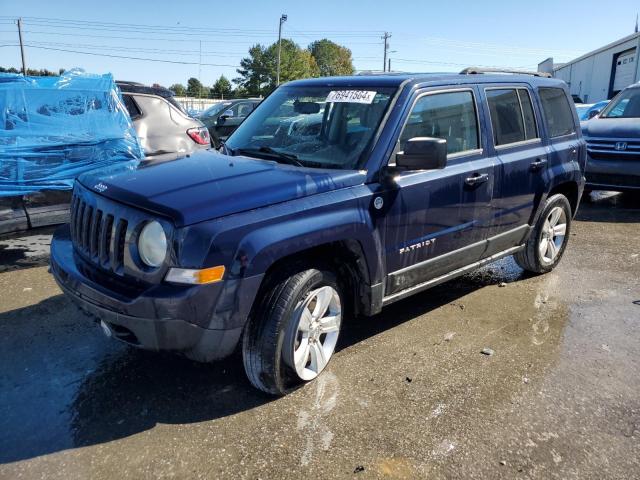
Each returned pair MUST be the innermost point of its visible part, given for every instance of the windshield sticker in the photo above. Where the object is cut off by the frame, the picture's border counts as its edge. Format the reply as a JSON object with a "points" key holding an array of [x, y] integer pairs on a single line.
{"points": [[351, 96]]}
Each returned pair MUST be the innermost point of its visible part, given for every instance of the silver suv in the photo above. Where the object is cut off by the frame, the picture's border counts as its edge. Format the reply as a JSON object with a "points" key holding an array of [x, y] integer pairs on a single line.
{"points": [[165, 129]]}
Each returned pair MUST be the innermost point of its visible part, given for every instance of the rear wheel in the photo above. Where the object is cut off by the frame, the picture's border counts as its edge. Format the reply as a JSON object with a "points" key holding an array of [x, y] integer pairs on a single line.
{"points": [[547, 242], [293, 331]]}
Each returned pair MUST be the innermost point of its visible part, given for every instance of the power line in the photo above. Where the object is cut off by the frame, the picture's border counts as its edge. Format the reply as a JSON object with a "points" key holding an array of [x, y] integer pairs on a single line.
{"points": [[160, 39], [205, 53], [126, 57], [176, 27], [129, 57], [179, 31]]}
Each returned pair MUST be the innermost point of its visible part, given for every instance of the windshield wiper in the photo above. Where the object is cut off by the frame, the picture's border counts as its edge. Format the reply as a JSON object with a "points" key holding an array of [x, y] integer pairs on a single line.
{"points": [[281, 157]]}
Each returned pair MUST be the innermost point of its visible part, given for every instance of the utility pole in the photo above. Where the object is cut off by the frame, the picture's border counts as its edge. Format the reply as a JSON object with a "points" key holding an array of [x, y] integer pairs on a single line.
{"points": [[389, 65], [283, 18], [200, 76], [24, 65], [385, 37]]}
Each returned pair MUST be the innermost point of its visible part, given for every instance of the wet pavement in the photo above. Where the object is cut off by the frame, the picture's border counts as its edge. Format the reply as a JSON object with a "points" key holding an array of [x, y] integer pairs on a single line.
{"points": [[408, 395]]}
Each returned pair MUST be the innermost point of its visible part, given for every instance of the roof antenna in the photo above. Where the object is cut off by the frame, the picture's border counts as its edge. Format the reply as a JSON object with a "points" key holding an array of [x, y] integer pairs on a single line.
{"points": [[636, 30]]}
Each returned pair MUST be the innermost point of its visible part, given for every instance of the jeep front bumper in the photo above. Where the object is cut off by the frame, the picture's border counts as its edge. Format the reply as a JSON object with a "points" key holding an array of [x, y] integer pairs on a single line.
{"points": [[155, 318]]}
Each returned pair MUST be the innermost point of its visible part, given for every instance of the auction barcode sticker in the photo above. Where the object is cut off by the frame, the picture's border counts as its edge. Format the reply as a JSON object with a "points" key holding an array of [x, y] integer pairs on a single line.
{"points": [[351, 96]]}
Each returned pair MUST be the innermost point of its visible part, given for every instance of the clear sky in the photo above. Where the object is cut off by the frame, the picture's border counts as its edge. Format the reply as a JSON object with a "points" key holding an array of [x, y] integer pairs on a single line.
{"points": [[426, 36]]}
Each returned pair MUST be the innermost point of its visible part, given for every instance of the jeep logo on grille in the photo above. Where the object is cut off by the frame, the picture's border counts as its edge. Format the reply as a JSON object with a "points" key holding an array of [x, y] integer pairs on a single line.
{"points": [[621, 146], [101, 187]]}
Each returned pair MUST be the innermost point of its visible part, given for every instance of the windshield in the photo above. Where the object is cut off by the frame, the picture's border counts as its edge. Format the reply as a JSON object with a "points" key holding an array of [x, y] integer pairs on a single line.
{"points": [[625, 105], [213, 110], [326, 127]]}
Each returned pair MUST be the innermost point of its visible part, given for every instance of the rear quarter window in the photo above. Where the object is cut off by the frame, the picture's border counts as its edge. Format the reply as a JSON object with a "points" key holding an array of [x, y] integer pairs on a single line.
{"points": [[132, 106], [557, 112]]}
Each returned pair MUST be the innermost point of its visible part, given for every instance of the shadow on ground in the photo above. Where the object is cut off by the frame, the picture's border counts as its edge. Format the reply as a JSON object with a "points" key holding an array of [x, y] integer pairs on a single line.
{"points": [[91, 390], [610, 207]]}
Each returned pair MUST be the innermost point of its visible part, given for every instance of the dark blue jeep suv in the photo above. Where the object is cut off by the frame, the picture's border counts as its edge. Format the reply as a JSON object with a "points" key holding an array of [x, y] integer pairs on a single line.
{"points": [[334, 198]]}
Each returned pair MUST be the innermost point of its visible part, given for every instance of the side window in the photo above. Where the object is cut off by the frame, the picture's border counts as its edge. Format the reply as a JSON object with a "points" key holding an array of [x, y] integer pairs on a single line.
{"points": [[132, 107], [450, 115], [530, 127], [557, 112], [507, 120], [241, 110]]}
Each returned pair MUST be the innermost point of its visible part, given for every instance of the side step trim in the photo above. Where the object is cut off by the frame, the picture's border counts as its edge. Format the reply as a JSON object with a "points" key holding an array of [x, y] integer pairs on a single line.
{"points": [[449, 276]]}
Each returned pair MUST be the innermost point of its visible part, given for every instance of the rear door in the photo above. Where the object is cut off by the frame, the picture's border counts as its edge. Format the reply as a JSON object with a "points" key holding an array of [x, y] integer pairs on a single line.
{"points": [[565, 143], [523, 161], [438, 219]]}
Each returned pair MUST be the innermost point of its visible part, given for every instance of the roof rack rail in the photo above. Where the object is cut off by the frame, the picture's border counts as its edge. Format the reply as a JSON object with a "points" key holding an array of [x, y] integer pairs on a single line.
{"points": [[476, 70]]}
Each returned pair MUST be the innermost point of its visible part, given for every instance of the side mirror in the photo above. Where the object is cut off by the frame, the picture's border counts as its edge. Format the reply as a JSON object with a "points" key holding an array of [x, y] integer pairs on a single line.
{"points": [[592, 114], [226, 115], [423, 153]]}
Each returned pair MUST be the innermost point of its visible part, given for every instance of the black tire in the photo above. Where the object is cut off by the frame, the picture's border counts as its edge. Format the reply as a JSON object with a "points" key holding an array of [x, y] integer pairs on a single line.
{"points": [[263, 342], [530, 258]]}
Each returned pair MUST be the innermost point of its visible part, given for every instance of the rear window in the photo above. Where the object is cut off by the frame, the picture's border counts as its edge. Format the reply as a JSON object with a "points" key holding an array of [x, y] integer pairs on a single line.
{"points": [[557, 112], [177, 104], [512, 117]]}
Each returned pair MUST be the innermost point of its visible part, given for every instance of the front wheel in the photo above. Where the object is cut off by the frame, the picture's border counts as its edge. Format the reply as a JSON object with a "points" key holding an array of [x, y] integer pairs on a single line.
{"points": [[548, 240], [293, 331]]}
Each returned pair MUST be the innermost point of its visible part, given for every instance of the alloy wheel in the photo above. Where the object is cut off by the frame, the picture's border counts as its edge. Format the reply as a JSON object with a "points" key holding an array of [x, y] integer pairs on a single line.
{"points": [[313, 338], [553, 235]]}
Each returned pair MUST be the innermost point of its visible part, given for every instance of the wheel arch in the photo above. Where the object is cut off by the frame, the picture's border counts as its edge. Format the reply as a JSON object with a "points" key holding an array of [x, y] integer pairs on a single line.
{"points": [[346, 258], [569, 189]]}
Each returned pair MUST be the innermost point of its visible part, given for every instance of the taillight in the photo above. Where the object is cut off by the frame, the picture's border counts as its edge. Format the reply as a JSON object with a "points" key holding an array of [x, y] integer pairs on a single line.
{"points": [[200, 135]]}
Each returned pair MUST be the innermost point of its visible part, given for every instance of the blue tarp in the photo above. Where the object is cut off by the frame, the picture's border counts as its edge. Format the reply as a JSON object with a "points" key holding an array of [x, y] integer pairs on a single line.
{"points": [[54, 128]]}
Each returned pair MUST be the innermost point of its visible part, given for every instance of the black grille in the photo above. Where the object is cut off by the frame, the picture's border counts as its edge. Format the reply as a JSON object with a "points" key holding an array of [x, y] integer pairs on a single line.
{"points": [[98, 235], [613, 155], [614, 180]]}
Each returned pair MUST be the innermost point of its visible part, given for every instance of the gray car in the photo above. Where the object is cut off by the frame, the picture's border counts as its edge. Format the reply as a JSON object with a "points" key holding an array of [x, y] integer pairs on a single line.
{"points": [[165, 129], [613, 144]]}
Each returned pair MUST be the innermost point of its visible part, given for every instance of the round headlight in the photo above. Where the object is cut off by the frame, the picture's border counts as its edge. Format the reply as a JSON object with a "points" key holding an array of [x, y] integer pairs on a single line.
{"points": [[152, 244]]}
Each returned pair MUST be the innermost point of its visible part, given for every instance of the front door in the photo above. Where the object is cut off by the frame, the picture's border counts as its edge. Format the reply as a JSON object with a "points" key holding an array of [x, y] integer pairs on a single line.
{"points": [[438, 219], [231, 119]]}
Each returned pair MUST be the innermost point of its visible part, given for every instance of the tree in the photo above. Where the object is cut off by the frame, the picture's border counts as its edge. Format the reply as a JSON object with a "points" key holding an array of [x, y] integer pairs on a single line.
{"points": [[196, 89], [331, 58], [178, 89], [258, 70], [43, 72], [240, 92], [254, 71], [222, 88]]}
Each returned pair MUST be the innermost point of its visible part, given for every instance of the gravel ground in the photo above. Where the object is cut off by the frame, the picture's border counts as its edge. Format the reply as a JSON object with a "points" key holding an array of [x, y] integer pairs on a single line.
{"points": [[409, 394]]}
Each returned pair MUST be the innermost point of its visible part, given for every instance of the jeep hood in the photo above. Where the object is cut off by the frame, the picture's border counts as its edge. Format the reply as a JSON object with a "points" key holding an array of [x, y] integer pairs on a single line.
{"points": [[208, 185], [611, 128]]}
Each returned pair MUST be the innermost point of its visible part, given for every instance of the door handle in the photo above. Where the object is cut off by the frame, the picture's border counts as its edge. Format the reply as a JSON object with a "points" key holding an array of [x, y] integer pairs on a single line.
{"points": [[539, 164], [477, 179]]}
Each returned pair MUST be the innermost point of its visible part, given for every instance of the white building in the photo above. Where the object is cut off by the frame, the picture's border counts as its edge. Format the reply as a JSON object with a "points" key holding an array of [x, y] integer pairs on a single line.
{"points": [[600, 74]]}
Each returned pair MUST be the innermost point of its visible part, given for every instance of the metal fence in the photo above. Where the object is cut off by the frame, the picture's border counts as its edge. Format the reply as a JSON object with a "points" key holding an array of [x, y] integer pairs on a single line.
{"points": [[197, 104]]}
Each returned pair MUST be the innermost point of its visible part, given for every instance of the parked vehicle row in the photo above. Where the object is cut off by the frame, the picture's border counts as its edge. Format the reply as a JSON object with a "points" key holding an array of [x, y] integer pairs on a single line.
{"points": [[336, 197]]}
